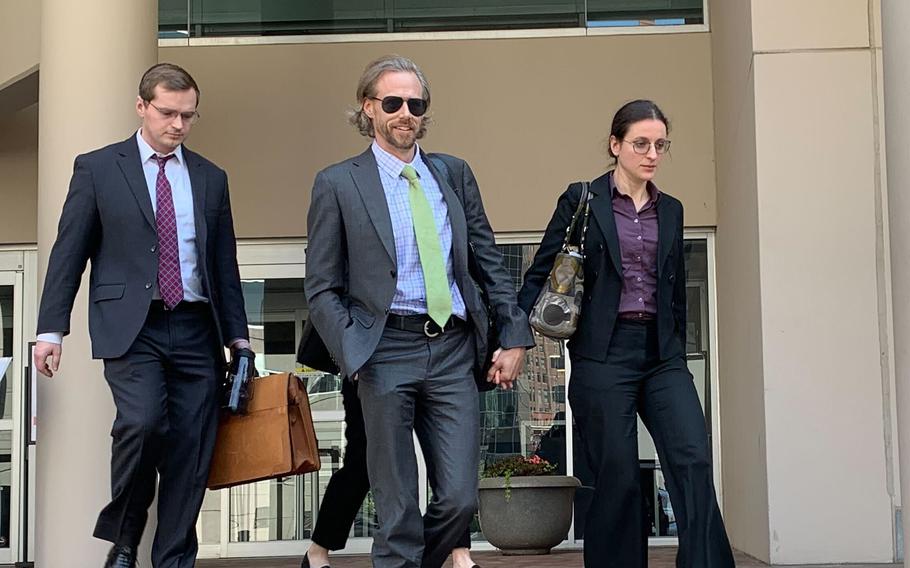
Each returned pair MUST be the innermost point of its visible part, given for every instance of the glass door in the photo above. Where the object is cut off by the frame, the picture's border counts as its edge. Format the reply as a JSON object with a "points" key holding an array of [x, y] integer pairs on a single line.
{"points": [[11, 376], [277, 517]]}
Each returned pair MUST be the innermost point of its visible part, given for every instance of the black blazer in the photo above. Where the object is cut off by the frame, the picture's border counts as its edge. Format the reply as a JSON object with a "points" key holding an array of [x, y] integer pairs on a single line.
{"points": [[603, 271], [108, 218]]}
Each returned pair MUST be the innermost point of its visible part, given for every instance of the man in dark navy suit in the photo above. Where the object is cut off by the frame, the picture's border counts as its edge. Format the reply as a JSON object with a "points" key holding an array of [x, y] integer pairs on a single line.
{"points": [[164, 299]]}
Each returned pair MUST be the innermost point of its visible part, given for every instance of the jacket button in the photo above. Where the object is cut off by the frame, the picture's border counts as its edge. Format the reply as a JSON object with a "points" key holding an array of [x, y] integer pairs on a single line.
{"points": [[154, 248], [387, 311], [393, 274], [600, 246], [148, 285], [672, 277], [595, 274]]}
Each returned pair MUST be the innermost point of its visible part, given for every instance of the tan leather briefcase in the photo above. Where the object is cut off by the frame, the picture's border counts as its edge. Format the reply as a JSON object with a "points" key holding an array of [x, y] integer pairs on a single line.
{"points": [[275, 438]]}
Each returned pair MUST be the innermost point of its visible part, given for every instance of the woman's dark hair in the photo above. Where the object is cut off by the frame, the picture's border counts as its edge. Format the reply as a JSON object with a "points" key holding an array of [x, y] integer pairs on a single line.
{"points": [[633, 112]]}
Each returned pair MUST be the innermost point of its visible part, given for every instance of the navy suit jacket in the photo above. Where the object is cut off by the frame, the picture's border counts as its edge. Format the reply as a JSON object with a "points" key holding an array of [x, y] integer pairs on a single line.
{"points": [[108, 218]]}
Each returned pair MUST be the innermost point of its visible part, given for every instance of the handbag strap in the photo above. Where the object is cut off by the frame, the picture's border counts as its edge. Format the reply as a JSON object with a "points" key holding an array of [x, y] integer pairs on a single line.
{"points": [[582, 206]]}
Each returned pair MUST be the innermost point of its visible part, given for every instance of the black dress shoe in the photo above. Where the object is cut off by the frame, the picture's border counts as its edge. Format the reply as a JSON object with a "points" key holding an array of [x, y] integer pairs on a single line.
{"points": [[121, 557], [306, 562]]}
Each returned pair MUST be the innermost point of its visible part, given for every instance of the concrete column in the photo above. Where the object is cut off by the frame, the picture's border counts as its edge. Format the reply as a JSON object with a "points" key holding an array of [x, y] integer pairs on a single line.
{"points": [[896, 50], [93, 53], [802, 281]]}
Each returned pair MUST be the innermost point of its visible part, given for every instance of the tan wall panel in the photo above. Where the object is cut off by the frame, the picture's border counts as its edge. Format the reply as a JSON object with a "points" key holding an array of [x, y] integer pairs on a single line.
{"points": [[741, 381], [827, 470], [875, 18], [19, 176], [781, 25], [20, 24], [530, 116]]}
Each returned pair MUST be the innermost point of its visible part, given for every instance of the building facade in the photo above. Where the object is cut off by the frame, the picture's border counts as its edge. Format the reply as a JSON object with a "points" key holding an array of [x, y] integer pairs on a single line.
{"points": [[788, 123]]}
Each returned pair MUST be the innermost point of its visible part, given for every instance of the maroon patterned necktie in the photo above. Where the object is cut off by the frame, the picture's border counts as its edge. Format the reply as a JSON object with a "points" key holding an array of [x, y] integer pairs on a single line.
{"points": [[170, 285]]}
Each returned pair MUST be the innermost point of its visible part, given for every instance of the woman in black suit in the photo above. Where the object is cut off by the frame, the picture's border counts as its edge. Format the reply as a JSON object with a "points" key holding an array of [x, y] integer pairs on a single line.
{"points": [[628, 353]]}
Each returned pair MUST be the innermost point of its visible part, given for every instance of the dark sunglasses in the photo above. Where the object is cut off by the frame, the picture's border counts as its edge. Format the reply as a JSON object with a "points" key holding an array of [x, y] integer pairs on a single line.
{"points": [[390, 105]]}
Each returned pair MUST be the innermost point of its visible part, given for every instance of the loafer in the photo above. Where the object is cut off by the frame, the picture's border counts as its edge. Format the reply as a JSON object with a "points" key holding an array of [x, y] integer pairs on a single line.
{"points": [[121, 557]]}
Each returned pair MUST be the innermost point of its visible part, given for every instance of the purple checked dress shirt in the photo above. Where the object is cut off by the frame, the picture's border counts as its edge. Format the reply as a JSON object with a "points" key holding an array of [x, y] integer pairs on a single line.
{"points": [[637, 231]]}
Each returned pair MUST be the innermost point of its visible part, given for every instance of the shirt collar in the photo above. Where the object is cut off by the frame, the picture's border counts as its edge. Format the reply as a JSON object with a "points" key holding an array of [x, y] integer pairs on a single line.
{"points": [[146, 152], [391, 164], [653, 192]]}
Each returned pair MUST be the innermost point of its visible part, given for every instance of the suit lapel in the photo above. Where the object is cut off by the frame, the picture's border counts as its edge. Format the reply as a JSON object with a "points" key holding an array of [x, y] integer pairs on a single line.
{"points": [[666, 230], [456, 212], [131, 165], [602, 209], [197, 185], [365, 173]]}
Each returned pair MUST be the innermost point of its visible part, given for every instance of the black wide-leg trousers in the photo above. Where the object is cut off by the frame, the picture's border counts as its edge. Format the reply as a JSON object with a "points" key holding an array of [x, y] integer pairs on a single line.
{"points": [[606, 398]]}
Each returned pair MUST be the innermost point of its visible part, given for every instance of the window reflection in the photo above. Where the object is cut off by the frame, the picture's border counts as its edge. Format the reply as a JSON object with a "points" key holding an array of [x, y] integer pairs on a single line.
{"points": [[6, 485], [6, 350], [180, 19], [286, 508], [529, 420]]}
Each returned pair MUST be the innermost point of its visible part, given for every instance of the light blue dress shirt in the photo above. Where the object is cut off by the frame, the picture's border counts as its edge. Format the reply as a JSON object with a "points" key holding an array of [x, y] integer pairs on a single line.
{"points": [[410, 291], [182, 193]]}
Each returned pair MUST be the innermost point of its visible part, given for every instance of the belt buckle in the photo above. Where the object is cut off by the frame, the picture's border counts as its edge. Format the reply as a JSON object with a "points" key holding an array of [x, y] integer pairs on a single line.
{"points": [[426, 329]]}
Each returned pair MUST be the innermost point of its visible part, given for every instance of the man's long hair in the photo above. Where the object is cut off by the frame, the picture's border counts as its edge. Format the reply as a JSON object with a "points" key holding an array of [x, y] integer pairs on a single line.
{"points": [[366, 88]]}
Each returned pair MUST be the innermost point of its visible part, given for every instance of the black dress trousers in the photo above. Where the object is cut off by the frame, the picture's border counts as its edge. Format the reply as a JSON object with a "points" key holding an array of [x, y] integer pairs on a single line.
{"points": [[165, 390], [606, 399]]}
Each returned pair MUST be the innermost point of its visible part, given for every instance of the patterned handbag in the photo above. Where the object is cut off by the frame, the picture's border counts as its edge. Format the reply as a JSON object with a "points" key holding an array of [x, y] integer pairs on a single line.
{"points": [[555, 313]]}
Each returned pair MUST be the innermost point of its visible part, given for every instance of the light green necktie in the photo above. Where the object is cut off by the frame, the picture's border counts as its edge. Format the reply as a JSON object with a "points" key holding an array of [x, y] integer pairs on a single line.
{"points": [[439, 298]]}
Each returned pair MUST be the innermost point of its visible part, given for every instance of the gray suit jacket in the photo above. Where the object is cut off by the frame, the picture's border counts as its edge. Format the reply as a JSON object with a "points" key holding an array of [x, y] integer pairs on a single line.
{"points": [[108, 218], [351, 265]]}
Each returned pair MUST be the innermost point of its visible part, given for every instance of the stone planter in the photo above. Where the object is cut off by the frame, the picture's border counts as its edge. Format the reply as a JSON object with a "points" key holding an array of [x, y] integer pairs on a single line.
{"points": [[536, 518]]}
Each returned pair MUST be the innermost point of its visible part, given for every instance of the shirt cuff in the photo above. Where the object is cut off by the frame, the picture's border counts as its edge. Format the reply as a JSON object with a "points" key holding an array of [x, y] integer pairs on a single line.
{"points": [[233, 343], [51, 337]]}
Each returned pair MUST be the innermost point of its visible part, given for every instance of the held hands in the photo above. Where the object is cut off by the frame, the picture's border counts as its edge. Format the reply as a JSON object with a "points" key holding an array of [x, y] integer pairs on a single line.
{"points": [[45, 350], [507, 364]]}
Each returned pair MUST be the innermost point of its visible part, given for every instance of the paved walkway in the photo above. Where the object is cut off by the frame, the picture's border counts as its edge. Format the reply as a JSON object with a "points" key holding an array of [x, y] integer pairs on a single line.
{"points": [[659, 558]]}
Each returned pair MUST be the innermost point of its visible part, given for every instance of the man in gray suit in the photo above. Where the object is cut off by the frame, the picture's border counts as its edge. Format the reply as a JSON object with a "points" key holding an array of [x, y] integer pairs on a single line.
{"points": [[391, 295]]}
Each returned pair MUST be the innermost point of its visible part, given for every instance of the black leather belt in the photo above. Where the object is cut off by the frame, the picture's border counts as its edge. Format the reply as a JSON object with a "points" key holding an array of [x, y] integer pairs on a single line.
{"points": [[636, 316], [423, 324], [183, 306]]}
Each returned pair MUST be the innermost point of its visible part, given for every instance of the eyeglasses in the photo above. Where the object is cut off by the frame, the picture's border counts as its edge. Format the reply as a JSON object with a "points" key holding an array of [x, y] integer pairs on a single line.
{"points": [[170, 114], [661, 145], [391, 104]]}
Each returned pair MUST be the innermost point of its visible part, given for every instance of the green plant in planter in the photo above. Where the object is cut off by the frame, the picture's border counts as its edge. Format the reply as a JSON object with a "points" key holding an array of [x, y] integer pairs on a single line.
{"points": [[518, 466]]}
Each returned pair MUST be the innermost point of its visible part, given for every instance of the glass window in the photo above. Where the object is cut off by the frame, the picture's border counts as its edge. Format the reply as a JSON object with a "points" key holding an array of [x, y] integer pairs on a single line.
{"points": [[173, 19], [286, 508], [623, 13], [6, 485], [526, 420], [198, 18], [6, 351]]}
